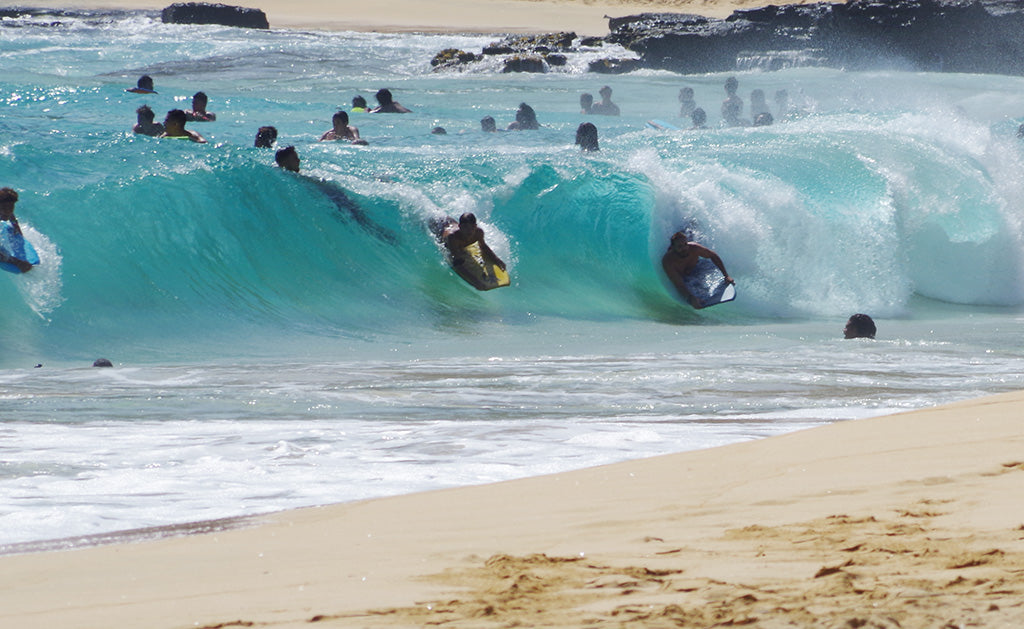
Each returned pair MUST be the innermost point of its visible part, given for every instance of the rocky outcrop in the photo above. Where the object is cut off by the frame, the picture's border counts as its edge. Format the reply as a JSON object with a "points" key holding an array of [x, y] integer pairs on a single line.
{"points": [[976, 37], [223, 14], [532, 53]]}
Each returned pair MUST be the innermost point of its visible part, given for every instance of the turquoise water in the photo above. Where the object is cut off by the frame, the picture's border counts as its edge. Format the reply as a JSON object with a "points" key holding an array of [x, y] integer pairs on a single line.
{"points": [[273, 352]]}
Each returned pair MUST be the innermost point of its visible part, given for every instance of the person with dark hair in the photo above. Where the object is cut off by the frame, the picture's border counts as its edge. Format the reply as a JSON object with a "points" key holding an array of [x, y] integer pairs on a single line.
{"points": [[174, 127], [342, 130], [265, 137], [732, 106], [439, 131], [359, 105], [687, 104], [143, 86], [606, 107], [859, 326], [288, 159], [586, 137], [8, 197], [468, 232], [681, 259], [198, 112], [586, 103], [387, 105], [763, 119], [526, 119], [145, 125], [699, 118], [487, 125]]}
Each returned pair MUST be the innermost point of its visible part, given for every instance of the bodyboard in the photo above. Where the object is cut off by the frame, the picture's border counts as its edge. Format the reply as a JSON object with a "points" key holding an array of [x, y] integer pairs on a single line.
{"points": [[479, 270], [707, 284], [14, 244], [661, 125]]}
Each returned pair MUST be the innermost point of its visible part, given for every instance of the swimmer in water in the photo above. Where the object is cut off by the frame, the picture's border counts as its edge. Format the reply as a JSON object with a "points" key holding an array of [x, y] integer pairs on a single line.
{"points": [[387, 105], [143, 86], [265, 137], [859, 326], [174, 127], [145, 124], [342, 130], [198, 112]]}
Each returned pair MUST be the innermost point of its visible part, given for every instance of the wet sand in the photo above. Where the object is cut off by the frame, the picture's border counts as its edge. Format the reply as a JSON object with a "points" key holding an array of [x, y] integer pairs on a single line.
{"points": [[910, 520]]}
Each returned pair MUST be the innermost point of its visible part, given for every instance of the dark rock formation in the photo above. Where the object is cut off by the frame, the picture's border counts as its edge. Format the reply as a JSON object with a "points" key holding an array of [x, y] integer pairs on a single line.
{"points": [[204, 13], [950, 36], [452, 58], [613, 66], [527, 63], [532, 53]]}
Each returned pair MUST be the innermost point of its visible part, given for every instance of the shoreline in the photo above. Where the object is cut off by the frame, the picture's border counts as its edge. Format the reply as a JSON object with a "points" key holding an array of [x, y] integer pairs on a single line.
{"points": [[910, 518], [447, 16]]}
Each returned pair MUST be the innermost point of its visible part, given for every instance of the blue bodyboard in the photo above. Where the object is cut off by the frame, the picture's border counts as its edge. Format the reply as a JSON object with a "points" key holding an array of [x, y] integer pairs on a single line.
{"points": [[707, 284], [14, 244], [661, 125]]}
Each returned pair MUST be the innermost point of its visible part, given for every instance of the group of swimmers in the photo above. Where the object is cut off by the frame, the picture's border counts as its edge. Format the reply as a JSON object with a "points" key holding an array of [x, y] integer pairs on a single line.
{"points": [[732, 107], [679, 260]]}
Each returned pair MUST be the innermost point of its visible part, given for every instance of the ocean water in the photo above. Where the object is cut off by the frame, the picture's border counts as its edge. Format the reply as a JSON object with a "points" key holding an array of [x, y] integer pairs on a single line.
{"points": [[272, 352]]}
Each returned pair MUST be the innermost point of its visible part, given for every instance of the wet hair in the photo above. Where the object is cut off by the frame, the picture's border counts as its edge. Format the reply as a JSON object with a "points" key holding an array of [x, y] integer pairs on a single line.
{"points": [[605, 90], [586, 100], [384, 96], [176, 115], [265, 137], [200, 96], [862, 326], [676, 237], [284, 153], [526, 117], [341, 115], [145, 82], [731, 85], [146, 112], [468, 219], [586, 137], [439, 131], [359, 101], [686, 92], [487, 124], [699, 117], [8, 195]]}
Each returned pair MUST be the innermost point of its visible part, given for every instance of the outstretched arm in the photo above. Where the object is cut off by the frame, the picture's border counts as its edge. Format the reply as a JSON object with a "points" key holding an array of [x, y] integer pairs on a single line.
{"points": [[487, 251], [22, 265]]}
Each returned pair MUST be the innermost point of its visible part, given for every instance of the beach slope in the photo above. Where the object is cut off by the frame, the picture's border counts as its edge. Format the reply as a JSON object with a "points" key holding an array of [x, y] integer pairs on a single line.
{"points": [[909, 520]]}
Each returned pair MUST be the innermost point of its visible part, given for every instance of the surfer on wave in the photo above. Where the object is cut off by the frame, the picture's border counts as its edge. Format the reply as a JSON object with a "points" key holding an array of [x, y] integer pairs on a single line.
{"points": [[8, 197], [681, 259], [457, 236]]}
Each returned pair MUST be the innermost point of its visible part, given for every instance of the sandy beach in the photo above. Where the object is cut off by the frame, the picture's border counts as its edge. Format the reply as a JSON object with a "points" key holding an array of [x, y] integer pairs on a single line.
{"points": [[470, 16], [911, 520]]}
